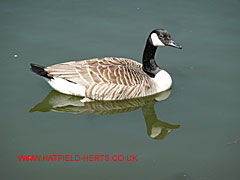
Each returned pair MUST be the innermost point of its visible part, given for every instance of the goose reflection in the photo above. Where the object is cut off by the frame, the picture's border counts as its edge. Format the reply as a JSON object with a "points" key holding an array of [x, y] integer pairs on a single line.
{"points": [[156, 129]]}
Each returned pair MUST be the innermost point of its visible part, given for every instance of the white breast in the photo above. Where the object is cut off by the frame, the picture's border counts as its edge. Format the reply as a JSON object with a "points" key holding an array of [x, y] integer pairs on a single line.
{"points": [[162, 81]]}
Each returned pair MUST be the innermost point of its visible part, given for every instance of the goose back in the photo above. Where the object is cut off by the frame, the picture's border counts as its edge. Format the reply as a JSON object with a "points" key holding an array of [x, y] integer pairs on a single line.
{"points": [[106, 78]]}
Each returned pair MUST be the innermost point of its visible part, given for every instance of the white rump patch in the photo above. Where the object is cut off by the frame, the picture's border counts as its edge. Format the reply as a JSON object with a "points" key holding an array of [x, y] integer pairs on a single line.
{"points": [[163, 81], [155, 40], [67, 87]]}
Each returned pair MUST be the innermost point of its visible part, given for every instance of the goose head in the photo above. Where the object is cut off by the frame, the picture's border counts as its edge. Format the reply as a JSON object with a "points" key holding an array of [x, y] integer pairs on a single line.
{"points": [[160, 37]]}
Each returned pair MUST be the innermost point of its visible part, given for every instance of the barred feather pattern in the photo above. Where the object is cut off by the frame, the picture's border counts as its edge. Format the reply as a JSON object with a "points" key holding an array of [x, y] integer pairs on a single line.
{"points": [[106, 78]]}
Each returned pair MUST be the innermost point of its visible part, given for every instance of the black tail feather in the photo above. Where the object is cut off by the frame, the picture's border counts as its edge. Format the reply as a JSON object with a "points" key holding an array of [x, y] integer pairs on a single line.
{"points": [[39, 70]]}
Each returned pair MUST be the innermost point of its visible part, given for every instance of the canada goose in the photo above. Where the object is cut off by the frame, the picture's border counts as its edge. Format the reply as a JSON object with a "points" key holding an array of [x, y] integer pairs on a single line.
{"points": [[112, 78]]}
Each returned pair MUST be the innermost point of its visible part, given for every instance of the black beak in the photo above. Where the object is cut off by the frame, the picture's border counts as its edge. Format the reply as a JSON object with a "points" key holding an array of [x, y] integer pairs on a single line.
{"points": [[174, 44]]}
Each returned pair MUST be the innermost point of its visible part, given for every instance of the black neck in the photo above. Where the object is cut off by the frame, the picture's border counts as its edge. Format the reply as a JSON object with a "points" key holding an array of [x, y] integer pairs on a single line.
{"points": [[149, 65]]}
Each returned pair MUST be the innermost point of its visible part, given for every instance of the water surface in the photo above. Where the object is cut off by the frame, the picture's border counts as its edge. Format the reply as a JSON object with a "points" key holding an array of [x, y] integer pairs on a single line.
{"points": [[204, 100]]}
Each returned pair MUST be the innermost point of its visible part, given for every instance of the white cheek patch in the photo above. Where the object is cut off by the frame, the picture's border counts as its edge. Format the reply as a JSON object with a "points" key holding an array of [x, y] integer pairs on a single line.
{"points": [[155, 40]]}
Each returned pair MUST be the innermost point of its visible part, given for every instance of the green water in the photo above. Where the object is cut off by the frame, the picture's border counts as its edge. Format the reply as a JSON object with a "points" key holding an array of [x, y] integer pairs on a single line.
{"points": [[192, 134]]}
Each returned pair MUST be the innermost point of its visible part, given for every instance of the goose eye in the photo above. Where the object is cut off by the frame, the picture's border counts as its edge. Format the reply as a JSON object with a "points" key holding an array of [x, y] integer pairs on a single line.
{"points": [[161, 35]]}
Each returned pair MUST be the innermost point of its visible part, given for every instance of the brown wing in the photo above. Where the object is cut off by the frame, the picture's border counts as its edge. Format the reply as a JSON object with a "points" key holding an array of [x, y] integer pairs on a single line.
{"points": [[103, 76], [102, 70]]}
